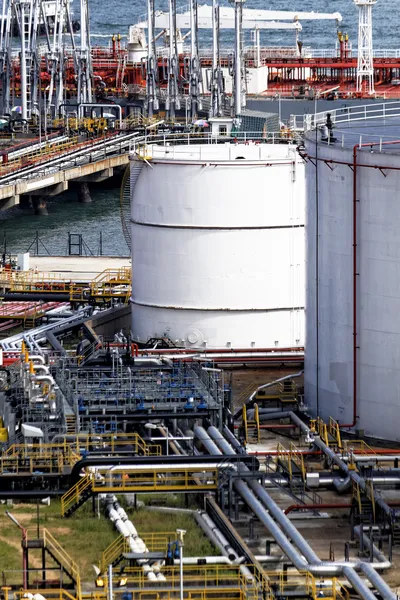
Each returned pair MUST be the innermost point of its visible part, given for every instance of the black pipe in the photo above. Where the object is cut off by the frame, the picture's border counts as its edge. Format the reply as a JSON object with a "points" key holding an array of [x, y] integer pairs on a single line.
{"points": [[31, 493], [159, 460]]}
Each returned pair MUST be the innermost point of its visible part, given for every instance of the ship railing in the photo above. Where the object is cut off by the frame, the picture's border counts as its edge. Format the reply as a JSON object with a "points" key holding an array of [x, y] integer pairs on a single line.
{"points": [[346, 114]]}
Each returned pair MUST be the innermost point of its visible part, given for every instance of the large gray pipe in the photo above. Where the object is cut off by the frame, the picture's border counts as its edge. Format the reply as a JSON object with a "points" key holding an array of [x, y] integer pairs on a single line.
{"points": [[358, 584], [233, 440], [320, 568], [223, 542], [377, 581], [266, 499], [209, 533], [369, 570]]}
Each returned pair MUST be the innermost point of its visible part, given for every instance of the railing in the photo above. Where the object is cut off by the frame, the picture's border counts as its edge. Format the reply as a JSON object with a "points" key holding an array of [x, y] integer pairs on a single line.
{"points": [[223, 578], [113, 442], [297, 457], [49, 594], [334, 431], [320, 428], [37, 155], [289, 457], [346, 114], [140, 145], [52, 458], [155, 542], [251, 426], [70, 498], [64, 559], [161, 479], [110, 283], [112, 144]]}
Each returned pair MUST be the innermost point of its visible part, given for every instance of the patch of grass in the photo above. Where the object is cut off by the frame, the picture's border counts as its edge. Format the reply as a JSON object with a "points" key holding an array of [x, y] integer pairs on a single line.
{"points": [[84, 536], [148, 521]]}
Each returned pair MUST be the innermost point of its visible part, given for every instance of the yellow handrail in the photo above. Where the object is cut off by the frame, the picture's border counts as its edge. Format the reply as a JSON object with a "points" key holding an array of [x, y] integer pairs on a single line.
{"points": [[72, 496], [334, 430]]}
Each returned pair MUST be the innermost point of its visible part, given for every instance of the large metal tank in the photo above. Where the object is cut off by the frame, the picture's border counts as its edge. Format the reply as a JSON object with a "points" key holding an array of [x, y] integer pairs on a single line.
{"points": [[352, 360], [218, 245]]}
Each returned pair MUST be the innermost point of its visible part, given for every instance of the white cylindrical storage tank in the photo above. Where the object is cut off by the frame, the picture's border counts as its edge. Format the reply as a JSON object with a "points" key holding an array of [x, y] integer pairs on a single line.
{"points": [[353, 291], [218, 245]]}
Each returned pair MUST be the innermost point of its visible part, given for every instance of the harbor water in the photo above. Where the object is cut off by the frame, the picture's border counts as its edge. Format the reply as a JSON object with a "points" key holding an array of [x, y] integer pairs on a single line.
{"points": [[321, 34]]}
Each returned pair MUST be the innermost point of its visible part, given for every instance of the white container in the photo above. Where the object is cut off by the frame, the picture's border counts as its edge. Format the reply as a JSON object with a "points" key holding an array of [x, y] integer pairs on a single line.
{"points": [[23, 261], [329, 301], [218, 245]]}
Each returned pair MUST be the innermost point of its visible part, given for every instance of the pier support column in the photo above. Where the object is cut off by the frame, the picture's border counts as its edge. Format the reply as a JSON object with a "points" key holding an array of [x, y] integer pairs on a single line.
{"points": [[84, 193], [39, 206], [25, 201]]}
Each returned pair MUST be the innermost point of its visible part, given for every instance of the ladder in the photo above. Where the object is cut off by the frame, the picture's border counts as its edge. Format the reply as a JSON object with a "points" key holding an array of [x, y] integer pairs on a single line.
{"points": [[251, 428], [129, 182], [70, 422]]}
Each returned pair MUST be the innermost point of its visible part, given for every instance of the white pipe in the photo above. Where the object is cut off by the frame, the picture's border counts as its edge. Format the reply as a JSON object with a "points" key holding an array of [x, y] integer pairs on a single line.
{"points": [[42, 378], [178, 467], [36, 357], [232, 555], [42, 368]]}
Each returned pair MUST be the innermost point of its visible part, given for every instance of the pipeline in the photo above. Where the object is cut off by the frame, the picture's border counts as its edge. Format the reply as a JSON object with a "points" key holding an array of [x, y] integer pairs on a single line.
{"points": [[155, 461], [125, 527], [265, 386], [333, 457], [222, 542], [315, 566]]}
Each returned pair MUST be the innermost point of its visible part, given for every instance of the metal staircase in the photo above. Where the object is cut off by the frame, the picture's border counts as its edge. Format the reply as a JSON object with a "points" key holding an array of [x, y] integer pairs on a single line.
{"points": [[48, 543], [70, 422], [76, 496], [128, 184], [251, 427], [363, 504]]}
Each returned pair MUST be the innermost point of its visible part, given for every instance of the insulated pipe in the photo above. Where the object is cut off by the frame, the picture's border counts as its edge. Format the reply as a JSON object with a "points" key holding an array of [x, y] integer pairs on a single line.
{"points": [[233, 440], [377, 581], [210, 534], [266, 499], [334, 457], [358, 584], [232, 555], [319, 568], [200, 560], [42, 368], [37, 357], [272, 383], [342, 465], [42, 378], [342, 485]]}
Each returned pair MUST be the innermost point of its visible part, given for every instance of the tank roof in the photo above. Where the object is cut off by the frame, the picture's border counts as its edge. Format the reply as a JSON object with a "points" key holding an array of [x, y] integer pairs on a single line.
{"points": [[381, 133]]}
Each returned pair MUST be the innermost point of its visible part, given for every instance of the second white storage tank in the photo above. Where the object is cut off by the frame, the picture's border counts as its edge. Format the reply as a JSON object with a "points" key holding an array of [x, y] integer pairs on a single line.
{"points": [[353, 284]]}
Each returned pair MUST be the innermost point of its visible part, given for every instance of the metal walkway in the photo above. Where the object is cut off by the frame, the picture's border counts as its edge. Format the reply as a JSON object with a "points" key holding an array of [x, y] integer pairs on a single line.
{"points": [[136, 480]]}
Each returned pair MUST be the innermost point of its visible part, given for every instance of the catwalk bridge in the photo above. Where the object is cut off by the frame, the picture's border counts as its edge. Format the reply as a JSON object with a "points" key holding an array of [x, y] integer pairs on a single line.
{"points": [[45, 169]]}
